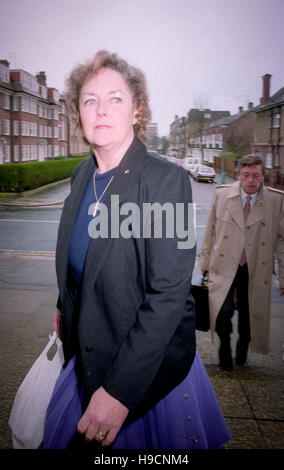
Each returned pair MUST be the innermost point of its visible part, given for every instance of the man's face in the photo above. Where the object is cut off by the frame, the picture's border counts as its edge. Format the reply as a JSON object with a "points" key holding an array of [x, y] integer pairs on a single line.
{"points": [[251, 178]]}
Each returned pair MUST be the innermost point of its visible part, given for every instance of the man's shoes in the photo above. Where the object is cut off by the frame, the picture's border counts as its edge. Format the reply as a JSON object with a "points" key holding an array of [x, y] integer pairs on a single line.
{"points": [[227, 368], [241, 352], [225, 354], [240, 362]]}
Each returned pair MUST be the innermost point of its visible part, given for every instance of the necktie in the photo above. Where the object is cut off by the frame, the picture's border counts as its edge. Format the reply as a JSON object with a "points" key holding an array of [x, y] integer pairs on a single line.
{"points": [[243, 259]]}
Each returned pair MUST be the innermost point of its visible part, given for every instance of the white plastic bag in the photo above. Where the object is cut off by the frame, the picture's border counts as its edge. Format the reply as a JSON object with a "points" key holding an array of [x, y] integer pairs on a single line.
{"points": [[28, 413]]}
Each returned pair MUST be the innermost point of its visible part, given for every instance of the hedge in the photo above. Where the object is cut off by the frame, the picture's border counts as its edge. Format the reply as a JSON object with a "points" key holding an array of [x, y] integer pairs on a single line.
{"points": [[19, 177]]}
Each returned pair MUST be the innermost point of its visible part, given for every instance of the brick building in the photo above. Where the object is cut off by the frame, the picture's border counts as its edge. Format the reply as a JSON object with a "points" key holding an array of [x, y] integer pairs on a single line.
{"points": [[234, 134], [269, 133], [152, 139], [34, 122], [184, 128]]}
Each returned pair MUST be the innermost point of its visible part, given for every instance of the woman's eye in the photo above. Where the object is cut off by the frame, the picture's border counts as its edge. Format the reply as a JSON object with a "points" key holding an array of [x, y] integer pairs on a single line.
{"points": [[116, 100], [90, 101]]}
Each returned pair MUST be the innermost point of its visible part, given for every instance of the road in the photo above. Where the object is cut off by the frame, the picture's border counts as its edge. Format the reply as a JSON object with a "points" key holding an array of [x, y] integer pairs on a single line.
{"points": [[32, 233]]}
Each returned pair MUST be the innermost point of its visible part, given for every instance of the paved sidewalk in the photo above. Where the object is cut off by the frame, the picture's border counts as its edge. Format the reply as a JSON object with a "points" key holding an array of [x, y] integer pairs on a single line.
{"points": [[52, 194]]}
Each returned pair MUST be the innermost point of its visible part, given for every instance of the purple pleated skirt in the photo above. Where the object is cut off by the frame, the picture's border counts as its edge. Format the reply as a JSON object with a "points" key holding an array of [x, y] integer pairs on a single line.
{"points": [[189, 417]]}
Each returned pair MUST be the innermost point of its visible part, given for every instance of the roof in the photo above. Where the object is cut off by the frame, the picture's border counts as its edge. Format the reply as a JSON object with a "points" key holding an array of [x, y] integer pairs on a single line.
{"points": [[275, 100], [225, 121], [197, 115]]}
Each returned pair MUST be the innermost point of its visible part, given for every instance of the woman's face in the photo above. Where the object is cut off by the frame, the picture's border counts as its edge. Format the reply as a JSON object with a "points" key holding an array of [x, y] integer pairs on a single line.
{"points": [[107, 111]]}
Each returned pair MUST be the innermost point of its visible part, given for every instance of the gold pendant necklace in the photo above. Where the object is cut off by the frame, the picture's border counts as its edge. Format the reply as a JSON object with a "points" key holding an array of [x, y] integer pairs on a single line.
{"points": [[99, 199]]}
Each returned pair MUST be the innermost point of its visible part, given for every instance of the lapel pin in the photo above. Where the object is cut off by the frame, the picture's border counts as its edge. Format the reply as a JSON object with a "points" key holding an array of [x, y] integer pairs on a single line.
{"points": [[126, 172]]}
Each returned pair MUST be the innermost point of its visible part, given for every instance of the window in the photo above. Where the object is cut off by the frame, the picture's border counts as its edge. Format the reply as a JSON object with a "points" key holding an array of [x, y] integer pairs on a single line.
{"points": [[276, 120], [33, 152], [268, 160], [56, 114], [29, 81], [56, 132], [4, 73], [33, 107], [6, 101], [23, 128], [16, 103], [6, 127], [25, 152], [7, 153], [25, 104]]}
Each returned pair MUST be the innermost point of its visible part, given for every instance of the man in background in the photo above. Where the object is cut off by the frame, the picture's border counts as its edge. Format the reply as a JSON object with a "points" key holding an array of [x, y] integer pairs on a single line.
{"points": [[245, 229]]}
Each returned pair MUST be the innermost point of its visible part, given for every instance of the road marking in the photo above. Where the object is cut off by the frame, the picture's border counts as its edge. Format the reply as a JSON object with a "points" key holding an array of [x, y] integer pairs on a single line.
{"points": [[55, 221], [31, 220], [27, 254]]}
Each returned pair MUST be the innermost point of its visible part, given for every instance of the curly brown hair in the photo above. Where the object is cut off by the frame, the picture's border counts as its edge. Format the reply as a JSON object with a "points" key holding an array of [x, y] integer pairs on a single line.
{"points": [[133, 76]]}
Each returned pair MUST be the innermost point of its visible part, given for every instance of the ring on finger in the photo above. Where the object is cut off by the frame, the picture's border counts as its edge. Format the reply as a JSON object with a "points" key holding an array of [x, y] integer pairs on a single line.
{"points": [[100, 436]]}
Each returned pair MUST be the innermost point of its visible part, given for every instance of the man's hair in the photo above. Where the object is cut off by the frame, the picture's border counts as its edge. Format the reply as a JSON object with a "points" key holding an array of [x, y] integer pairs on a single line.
{"points": [[250, 160]]}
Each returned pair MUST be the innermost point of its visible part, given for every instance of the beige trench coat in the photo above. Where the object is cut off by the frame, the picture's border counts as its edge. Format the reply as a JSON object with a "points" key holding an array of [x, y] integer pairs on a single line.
{"points": [[262, 235]]}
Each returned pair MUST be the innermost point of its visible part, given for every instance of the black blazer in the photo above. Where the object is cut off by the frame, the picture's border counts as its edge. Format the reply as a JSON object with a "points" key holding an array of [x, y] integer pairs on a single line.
{"points": [[134, 324]]}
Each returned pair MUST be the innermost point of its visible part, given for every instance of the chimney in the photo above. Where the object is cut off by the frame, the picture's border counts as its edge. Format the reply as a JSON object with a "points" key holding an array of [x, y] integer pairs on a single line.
{"points": [[266, 88], [41, 78], [5, 62], [241, 109]]}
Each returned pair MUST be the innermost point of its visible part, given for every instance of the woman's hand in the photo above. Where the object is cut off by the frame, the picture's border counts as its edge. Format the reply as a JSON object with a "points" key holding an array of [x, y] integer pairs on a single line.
{"points": [[57, 323], [103, 418]]}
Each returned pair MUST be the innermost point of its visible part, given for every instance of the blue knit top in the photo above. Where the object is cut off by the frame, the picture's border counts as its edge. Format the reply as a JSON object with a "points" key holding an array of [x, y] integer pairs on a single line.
{"points": [[80, 239]]}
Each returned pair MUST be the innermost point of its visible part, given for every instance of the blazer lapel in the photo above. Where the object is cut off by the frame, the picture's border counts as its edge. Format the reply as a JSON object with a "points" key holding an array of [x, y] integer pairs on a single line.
{"points": [[123, 184]]}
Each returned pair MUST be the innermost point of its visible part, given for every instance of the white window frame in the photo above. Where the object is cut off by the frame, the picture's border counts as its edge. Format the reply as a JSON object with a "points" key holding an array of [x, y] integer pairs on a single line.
{"points": [[7, 153], [6, 127], [6, 101], [16, 103], [268, 160], [276, 120]]}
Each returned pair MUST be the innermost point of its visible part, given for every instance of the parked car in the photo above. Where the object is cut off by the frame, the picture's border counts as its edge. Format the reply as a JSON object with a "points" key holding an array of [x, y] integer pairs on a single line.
{"points": [[203, 173], [193, 167], [189, 163]]}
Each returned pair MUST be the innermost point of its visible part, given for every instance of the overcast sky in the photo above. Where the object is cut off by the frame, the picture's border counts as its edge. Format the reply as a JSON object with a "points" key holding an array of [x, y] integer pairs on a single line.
{"points": [[210, 53]]}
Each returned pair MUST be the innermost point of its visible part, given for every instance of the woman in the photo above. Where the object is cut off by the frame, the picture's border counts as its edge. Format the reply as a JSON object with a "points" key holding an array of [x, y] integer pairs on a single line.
{"points": [[125, 313]]}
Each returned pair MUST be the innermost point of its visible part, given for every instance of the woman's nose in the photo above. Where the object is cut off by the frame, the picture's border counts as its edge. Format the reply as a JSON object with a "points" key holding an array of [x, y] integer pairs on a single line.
{"points": [[101, 109]]}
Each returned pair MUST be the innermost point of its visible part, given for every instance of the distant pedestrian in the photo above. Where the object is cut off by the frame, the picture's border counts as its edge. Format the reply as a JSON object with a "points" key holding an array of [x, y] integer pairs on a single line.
{"points": [[244, 232]]}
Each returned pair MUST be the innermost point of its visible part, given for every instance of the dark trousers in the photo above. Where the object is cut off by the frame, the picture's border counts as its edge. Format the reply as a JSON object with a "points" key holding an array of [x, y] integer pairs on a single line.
{"points": [[224, 319]]}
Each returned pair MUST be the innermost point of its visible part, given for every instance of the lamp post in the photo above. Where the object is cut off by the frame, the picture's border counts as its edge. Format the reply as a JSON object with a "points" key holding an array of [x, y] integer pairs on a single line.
{"points": [[223, 176]]}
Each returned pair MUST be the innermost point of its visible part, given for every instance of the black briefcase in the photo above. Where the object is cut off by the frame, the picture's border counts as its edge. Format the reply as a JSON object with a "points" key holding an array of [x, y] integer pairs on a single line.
{"points": [[200, 295]]}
